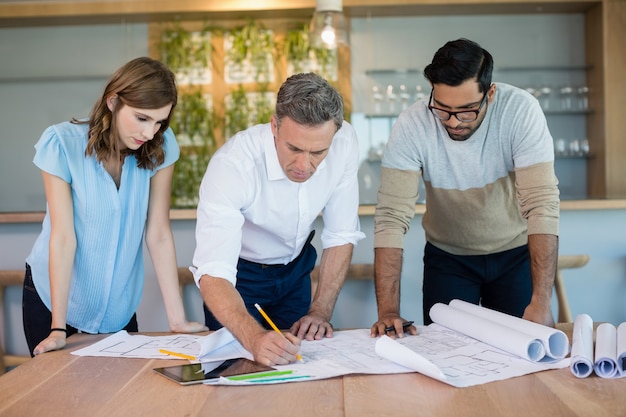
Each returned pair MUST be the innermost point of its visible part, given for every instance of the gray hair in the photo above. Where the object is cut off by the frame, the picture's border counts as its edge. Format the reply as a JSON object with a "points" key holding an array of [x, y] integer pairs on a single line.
{"points": [[309, 100]]}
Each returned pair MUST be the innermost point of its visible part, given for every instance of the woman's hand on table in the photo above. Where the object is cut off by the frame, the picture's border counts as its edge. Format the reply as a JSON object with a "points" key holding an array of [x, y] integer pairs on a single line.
{"points": [[189, 327], [54, 341]]}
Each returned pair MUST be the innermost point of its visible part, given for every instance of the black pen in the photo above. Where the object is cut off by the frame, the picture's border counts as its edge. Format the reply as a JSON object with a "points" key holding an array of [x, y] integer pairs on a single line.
{"points": [[405, 326]]}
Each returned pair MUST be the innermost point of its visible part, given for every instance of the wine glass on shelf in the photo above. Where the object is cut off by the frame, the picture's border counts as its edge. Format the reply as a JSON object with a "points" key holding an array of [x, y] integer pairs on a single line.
{"points": [[584, 147], [583, 97], [377, 99], [566, 98], [560, 148], [574, 147], [419, 94], [544, 97], [391, 99], [404, 97]]}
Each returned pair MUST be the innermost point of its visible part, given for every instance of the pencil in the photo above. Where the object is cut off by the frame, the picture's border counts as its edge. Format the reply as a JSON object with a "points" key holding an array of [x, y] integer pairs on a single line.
{"points": [[180, 355], [271, 323]]}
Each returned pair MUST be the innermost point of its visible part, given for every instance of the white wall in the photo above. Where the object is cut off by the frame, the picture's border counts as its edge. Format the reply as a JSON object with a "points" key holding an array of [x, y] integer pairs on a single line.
{"points": [[26, 108], [49, 75]]}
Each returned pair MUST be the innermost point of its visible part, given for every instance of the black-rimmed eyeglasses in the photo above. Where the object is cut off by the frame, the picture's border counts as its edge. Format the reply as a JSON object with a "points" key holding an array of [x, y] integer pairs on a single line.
{"points": [[463, 116]]}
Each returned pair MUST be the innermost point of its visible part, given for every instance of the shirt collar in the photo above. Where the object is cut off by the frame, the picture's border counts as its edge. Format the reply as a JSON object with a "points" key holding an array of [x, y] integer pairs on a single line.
{"points": [[274, 170]]}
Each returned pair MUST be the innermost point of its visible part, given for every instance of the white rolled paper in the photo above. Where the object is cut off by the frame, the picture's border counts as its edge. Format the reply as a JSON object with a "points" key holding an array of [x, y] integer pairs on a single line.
{"points": [[495, 334], [582, 346], [606, 351], [621, 349], [554, 341]]}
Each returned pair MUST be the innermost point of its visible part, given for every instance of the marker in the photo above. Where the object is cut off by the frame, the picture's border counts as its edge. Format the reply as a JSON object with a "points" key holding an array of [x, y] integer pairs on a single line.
{"points": [[405, 326], [287, 378], [258, 375], [180, 355], [271, 323]]}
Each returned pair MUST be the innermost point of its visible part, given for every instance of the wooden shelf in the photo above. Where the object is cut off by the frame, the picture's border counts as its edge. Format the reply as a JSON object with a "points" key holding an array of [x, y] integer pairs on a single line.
{"points": [[364, 210], [65, 12]]}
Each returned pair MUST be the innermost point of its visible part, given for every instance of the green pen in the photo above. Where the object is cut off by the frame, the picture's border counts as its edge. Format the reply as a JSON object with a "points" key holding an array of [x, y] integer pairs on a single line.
{"points": [[258, 375], [287, 378]]}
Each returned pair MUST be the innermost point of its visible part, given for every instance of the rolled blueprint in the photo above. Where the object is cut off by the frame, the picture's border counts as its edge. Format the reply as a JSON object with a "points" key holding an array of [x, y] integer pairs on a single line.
{"points": [[606, 351], [508, 339], [582, 346], [621, 349], [554, 341]]}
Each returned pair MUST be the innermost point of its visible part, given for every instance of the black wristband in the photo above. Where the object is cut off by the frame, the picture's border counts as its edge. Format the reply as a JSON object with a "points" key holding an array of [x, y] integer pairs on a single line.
{"points": [[58, 329]]}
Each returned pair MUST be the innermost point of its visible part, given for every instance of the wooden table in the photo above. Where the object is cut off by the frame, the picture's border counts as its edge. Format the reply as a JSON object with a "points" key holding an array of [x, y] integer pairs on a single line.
{"points": [[61, 384]]}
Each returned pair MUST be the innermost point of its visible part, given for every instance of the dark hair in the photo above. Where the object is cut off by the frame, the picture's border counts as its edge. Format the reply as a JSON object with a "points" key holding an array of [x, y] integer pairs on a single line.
{"points": [[458, 61], [143, 83], [309, 100]]}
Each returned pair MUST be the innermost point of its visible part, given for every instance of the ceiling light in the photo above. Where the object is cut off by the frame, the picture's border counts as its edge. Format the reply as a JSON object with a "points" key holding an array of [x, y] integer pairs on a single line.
{"points": [[328, 26]]}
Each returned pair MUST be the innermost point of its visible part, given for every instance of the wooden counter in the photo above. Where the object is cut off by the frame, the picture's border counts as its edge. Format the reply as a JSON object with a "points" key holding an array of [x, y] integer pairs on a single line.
{"points": [[190, 214], [61, 384]]}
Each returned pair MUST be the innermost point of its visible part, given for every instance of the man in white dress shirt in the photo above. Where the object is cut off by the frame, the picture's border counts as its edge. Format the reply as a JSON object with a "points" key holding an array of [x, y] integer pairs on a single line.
{"points": [[259, 198]]}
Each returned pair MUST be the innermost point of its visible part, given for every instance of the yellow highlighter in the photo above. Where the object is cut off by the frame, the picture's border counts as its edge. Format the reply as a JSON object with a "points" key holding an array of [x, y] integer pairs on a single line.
{"points": [[179, 355], [271, 323]]}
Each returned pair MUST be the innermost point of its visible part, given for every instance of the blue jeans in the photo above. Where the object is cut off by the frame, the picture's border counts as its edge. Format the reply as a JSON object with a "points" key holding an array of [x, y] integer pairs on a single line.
{"points": [[283, 291], [499, 281], [37, 319]]}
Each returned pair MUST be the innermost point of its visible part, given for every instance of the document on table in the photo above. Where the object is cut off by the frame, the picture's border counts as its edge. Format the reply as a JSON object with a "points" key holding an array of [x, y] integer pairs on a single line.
{"points": [[219, 345], [437, 352]]}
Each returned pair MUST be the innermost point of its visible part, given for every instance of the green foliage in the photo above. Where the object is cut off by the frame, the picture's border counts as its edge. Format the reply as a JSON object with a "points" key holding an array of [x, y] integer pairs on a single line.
{"points": [[247, 109], [264, 107], [182, 52], [304, 58], [237, 112], [296, 48], [194, 125], [253, 42]]}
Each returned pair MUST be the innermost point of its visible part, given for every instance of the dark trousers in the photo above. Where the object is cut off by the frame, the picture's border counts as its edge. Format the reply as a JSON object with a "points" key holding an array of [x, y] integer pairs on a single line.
{"points": [[499, 281], [37, 319], [283, 291]]}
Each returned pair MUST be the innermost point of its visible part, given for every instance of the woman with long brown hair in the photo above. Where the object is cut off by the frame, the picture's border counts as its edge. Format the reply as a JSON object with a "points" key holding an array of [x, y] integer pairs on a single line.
{"points": [[107, 181]]}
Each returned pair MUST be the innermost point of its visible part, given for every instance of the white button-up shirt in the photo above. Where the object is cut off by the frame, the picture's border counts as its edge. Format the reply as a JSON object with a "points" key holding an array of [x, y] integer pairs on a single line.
{"points": [[248, 207]]}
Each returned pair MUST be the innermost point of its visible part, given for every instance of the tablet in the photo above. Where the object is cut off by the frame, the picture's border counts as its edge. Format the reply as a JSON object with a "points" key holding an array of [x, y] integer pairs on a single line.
{"points": [[205, 372]]}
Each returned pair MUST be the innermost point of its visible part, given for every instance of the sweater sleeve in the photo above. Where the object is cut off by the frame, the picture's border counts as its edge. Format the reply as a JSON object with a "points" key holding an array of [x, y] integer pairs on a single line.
{"points": [[538, 195], [396, 206]]}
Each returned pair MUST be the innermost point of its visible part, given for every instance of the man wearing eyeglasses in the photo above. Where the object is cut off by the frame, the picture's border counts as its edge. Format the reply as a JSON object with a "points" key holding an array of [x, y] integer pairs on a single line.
{"points": [[486, 157]]}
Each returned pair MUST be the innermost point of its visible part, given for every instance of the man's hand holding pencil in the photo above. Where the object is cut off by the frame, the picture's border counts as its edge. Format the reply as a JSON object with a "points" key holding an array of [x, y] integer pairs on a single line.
{"points": [[276, 348]]}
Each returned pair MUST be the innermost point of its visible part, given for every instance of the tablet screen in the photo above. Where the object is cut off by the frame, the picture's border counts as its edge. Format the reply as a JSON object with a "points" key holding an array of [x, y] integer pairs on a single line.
{"points": [[195, 373]]}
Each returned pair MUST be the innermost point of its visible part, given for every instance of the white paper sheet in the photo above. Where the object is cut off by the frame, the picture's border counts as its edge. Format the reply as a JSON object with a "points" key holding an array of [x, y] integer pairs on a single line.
{"points": [[582, 346], [388, 348], [219, 345], [606, 351], [436, 351]]}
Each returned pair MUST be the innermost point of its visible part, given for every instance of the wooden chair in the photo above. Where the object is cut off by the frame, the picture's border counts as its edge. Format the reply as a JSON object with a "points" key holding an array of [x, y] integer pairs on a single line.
{"points": [[9, 278], [566, 262], [357, 272]]}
